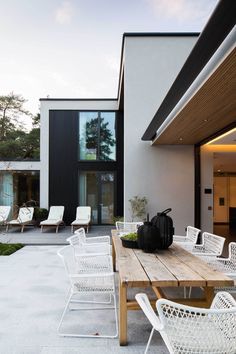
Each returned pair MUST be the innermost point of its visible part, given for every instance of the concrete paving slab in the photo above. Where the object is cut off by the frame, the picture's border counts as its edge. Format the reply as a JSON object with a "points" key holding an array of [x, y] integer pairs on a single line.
{"points": [[33, 291]]}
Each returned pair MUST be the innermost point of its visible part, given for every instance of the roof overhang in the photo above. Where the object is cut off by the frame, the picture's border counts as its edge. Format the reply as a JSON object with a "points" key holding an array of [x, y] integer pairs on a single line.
{"points": [[202, 100]]}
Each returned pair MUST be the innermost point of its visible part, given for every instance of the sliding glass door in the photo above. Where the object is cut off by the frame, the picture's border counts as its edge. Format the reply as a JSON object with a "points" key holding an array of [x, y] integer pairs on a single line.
{"points": [[96, 189]]}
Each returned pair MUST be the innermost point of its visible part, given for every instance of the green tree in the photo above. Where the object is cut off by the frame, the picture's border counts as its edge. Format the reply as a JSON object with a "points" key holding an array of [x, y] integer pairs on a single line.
{"points": [[15, 142], [107, 140], [11, 109]]}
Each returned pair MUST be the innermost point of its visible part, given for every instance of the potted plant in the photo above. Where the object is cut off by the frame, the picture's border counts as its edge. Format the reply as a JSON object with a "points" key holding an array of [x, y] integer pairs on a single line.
{"points": [[40, 214]]}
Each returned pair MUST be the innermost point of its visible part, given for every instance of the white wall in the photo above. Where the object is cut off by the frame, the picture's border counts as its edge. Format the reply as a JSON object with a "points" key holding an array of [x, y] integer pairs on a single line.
{"points": [[44, 137], [164, 174]]}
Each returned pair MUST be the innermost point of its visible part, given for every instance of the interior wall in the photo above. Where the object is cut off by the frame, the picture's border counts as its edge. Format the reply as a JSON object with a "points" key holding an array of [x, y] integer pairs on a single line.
{"points": [[224, 197]]}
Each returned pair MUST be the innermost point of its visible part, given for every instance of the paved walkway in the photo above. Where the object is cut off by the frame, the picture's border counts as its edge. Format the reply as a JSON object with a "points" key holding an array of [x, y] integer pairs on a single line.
{"points": [[33, 235], [33, 291]]}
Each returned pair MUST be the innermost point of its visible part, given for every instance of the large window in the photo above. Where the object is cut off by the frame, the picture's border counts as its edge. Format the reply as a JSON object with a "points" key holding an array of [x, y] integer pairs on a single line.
{"points": [[97, 136], [18, 188]]}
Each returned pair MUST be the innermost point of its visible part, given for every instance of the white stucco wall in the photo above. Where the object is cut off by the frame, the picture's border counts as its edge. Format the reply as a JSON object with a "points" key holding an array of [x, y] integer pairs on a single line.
{"points": [[164, 174], [44, 137]]}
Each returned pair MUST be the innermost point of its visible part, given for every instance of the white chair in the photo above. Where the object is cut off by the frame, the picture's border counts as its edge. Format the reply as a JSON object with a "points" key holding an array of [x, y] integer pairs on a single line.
{"points": [[55, 218], [83, 244], [92, 284], [186, 329], [4, 213], [83, 217], [25, 217], [211, 246], [189, 240], [126, 227], [226, 266]]}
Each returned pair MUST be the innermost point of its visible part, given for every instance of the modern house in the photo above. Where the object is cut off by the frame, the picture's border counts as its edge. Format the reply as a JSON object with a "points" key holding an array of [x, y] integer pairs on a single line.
{"points": [[176, 92]]}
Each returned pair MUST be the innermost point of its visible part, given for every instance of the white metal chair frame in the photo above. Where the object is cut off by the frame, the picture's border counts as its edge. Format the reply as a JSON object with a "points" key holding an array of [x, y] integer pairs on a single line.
{"points": [[212, 246], [82, 244], [125, 227], [24, 218], [88, 277], [192, 330], [189, 240]]}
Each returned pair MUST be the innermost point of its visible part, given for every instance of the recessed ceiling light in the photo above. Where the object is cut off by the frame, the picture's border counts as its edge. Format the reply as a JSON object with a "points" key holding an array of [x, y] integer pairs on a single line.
{"points": [[205, 120], [218, 170], [180, 139]]}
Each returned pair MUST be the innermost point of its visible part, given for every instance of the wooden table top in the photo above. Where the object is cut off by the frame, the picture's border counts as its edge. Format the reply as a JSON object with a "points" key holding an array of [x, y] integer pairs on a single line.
{"points": [[165, 268]]}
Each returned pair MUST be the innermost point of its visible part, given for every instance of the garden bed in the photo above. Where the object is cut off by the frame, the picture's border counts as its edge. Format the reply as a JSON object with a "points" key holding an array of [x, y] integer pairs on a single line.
{"points": [[6, 248]]}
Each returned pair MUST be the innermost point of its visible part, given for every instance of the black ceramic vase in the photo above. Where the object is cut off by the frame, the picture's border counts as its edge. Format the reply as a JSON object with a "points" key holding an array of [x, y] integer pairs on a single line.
{"points": [[147, 237]]}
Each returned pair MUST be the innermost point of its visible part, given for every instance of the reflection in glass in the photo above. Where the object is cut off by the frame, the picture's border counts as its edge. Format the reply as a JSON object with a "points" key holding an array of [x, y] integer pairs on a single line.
{"points": [[96, 189], [97, 136]]}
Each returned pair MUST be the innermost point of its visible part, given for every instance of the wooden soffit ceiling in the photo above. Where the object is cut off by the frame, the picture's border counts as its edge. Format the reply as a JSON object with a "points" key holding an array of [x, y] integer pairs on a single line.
{"points": [[210, 110]]}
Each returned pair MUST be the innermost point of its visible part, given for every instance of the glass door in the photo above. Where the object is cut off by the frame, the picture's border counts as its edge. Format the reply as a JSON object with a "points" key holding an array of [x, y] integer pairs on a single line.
{"points": [[96, 189]]}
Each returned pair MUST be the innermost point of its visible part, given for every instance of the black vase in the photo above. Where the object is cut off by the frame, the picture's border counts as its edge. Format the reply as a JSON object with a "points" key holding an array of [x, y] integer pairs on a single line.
{"points": [[148, 237], [164, 225]]}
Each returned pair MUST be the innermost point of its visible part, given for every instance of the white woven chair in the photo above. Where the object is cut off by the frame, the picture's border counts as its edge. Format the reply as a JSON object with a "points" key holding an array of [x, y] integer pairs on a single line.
{"points": [[189, 240], [4, 213], [55, 217], [226, 266], [192, 330], [211, 247], [25, 217], [83, 244], [83, 217], [92, 284], [126, 227]]}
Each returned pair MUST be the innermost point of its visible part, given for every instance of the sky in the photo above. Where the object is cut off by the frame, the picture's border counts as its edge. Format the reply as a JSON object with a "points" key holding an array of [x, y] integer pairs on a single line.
{"points": [[71, 49]]}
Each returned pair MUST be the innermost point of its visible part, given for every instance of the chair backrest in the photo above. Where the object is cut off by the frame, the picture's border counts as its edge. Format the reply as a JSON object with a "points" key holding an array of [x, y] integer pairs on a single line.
{"points": [[56, 212], [66, 254], [79, 236], [127, 227], [25, 214], [83, 213], [232, 253], [196, 330], [213, 243], [192, 234], [4, 212]]}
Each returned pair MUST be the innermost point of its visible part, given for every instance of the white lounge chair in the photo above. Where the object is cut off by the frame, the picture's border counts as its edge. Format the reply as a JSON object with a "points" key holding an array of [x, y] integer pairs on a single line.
{"points": [[83, 217], [55, 217], [4, 213], [186, 329], [92, 287], [25, 217]]}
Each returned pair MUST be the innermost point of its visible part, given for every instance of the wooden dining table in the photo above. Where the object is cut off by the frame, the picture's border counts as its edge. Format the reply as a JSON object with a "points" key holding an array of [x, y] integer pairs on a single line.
{"points": [[172, 268]]}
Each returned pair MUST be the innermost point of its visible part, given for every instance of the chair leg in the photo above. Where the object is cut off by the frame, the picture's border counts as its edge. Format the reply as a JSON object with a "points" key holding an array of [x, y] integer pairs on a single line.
{"points": [[22, 228], [7, 227], [57, 229], [149, 341], [72, 229]]}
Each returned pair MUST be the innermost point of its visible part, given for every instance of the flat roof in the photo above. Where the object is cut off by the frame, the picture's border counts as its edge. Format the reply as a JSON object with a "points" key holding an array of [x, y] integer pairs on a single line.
{"points": [[216, 30]]}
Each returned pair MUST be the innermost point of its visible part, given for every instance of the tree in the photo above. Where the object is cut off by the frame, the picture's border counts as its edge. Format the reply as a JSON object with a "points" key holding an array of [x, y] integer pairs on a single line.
{"points": [[15, 142], [11, 109], [100, 138]]}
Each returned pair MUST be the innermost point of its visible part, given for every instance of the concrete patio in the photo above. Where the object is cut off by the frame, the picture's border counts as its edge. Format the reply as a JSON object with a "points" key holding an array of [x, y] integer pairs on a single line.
{"points": [[33, 291]]}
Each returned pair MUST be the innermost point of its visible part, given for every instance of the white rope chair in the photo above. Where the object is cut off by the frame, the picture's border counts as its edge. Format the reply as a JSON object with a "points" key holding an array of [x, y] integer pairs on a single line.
{"points": [[226, 266], [211, 247], [82, 244], [91, 280], [189, 240], [126, 227], [192, 330]]}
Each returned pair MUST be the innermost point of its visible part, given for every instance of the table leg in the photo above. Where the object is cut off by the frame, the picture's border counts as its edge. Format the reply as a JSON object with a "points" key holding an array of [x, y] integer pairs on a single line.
{"points": [[113, 257], [123, 314], [209, 295]]}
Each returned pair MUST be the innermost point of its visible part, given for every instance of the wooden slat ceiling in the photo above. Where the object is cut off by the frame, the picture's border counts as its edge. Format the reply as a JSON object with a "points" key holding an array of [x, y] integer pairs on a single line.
{"points": [[210, 110]]}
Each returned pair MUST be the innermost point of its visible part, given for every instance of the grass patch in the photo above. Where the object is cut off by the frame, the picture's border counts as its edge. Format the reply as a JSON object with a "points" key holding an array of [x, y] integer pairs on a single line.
{"points": [[6, 249]]}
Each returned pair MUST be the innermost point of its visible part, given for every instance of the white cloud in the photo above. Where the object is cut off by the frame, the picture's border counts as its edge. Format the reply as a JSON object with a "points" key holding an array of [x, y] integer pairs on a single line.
{"points": [[64, 13], [182, 10]]}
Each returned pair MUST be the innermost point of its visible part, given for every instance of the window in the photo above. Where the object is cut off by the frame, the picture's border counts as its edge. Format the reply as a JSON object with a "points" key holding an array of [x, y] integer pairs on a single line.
{"points": [[97, 136]]}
